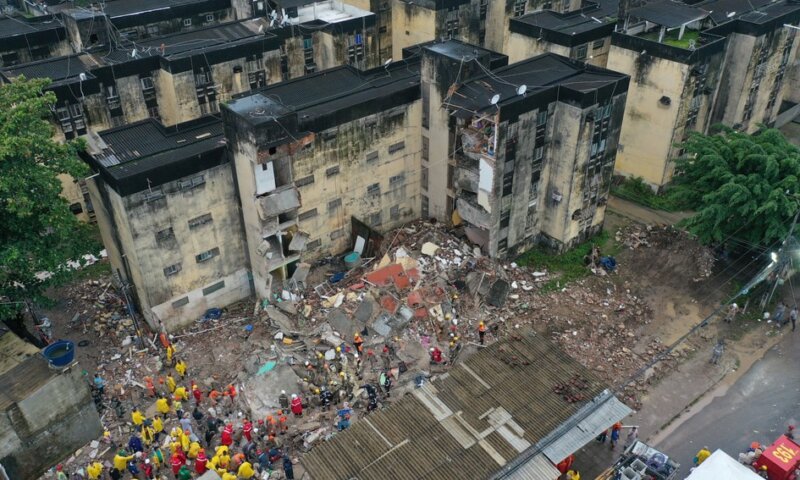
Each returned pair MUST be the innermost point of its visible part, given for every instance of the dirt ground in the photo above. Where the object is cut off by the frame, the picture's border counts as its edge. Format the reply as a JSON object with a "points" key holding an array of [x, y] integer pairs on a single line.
{"points": [[615, 324]]}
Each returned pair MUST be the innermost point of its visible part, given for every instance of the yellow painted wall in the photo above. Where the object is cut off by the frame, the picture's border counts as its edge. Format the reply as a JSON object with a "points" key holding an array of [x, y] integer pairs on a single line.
{"points": [[648, 128], [411, 24]]}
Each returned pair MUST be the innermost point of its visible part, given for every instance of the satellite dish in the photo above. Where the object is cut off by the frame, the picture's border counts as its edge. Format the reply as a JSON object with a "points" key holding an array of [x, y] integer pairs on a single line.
{"points": [[522, 89], [387, 62], [495, 99], [731, 15]]}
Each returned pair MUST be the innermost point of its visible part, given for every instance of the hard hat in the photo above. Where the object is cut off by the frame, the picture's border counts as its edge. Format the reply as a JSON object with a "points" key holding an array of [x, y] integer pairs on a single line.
{"points": [[341, 374], [283, 392], [431, 349], [338, 349], [763, 467], [59, 467], [294, 395], [481, 322], [316, 390], [319, 354], [146, 460]]}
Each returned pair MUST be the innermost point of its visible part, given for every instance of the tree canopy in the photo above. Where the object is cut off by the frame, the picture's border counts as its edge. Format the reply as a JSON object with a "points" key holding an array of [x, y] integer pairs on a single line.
{"points": [[38, 231], [740, 185]]}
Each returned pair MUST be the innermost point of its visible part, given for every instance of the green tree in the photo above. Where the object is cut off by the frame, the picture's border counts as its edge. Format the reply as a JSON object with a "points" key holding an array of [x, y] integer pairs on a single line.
{"points": [[38, 232], [739, 184]]}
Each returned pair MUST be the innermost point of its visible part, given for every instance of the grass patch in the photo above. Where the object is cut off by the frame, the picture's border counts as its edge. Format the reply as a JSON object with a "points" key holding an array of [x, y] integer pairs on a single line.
{"points": [[94, 271], [568, 266], [637, 191], [671, 38]]}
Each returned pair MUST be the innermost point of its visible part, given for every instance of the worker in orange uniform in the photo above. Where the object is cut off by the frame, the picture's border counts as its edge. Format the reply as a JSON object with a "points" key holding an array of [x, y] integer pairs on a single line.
{"points": [[481, 331], [282, 422], [151, 389], [358, 342]]}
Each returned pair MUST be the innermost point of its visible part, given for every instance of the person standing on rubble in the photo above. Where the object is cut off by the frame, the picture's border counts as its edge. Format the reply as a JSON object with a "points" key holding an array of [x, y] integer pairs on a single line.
{"points": [[171, 383], [180, 367], [137, 417], [162, 406], [227, 435], [283, 400], [793, 317], [386, 382], [481, 331], [170, 354], [288, 468], [436, 355], [99, 383], [358, 342], [297, 405]]}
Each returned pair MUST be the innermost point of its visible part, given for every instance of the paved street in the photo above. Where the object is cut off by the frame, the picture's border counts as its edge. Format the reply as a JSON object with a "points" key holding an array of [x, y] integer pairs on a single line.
{"points": [[759, 406]]}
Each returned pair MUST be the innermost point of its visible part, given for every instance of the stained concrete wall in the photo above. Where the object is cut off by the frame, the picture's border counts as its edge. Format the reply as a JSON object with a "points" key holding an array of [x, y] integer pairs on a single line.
{"points": [[648, 132], [50, 423], [741, 65], [135, 223], [520, 47]]}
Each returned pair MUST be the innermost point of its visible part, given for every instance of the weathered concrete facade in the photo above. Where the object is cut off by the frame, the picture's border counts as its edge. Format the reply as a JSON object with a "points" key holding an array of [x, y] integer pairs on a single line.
{"points": [[532, 167], [45, 414], [415, 22], [177, 240], [304, 171], [754, 80], [23, 41]]}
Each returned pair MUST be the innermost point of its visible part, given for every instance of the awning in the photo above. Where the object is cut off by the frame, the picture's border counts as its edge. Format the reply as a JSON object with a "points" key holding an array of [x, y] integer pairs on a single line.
{"points": [[721, 465], [584, 426]]}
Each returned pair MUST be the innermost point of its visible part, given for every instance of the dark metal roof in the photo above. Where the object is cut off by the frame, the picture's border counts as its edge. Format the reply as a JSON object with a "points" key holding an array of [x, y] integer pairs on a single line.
{"points": [[574, 22], [668, 13], [179, 45], [325, 93], [479, 416], [10, 26], [119, 8], [59, 69], [147, 154], [540, 73], [752, 11]]}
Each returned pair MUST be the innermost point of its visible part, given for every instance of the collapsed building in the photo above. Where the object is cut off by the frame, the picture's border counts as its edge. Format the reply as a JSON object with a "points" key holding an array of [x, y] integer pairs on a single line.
{"points": [[316, 171]]}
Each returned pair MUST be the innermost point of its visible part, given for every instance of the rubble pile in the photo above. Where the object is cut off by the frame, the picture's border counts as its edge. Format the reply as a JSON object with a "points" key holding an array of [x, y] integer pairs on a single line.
{"points": [[669, 238], [426, 289]]}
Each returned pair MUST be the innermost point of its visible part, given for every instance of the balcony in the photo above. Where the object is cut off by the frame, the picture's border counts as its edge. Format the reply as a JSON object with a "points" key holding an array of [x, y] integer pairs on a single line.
{"points": [[693, 47]]}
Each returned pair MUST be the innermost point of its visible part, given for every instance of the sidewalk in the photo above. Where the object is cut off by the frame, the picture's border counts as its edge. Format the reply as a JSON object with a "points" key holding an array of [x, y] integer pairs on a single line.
{"points": [[643, 214]]}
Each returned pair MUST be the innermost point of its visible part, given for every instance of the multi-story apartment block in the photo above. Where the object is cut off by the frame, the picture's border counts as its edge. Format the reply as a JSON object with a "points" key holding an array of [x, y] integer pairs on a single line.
{"points": [[694, 66], [166, 207], [306, 169], [583, 34], [530, 147]]}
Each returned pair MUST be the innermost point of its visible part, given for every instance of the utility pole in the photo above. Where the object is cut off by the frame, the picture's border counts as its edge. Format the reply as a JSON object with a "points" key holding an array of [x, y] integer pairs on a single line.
{"points": [[781, 259]]}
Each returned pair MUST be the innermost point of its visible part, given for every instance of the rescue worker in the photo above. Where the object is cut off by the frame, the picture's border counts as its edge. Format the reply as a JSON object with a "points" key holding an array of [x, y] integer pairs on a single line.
{"points": [[436, 355], [358, 342], [227, 435], [162, 406], [184, 473], [763, 472], [701, 456], [200, 463], [121, 460], [297, 405], [176, 462], [325, 398], [158, 427], [60, 475], [197, 394], [137, 417], [283, 400], [170, 354], [94, 470], [247, 430], [171, 383], [288, 468], [481, 331], [180, 367], [386, 382], [180, 394], [245, 471]]}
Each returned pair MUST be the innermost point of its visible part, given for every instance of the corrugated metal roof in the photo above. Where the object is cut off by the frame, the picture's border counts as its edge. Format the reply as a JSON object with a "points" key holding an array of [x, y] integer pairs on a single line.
{"points": [[477, 418], [669, 13], [592, 419], [537, 468]]}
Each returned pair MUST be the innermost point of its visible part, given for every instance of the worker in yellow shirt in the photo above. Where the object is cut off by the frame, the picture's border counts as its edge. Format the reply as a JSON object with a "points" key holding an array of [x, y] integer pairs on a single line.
{"points": [[246, 471], [158, 425], [174, 447], [181, 394], [148, 434], [185, 441], [162, 406], [224, 459], [137, 417], [194, 449], [94, 470], [180, 367], [228, 476], [170, 383], [170, 353], [121, 460]]}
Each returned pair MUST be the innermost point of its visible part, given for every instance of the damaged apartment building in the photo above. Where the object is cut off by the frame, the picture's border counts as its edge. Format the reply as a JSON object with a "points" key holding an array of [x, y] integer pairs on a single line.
{"points": [[303, 170], [694, 66]]}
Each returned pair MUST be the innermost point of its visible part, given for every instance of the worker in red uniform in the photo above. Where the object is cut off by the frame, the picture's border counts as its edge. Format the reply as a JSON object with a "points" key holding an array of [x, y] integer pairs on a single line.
{"points": [[247, 430], [481, 331], [176, 462], [196, 393], [566, 464], [227, 435], [297, 405], [200, 466], [436, 355]]}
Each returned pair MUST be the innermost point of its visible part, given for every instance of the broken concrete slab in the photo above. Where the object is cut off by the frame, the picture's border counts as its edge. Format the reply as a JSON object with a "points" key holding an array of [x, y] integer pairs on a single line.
{"points": [[289, 307], [365, 310], [281, 320], [261, 392], [342, 323], [498, 293], [429, 249], [381, 324]]}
